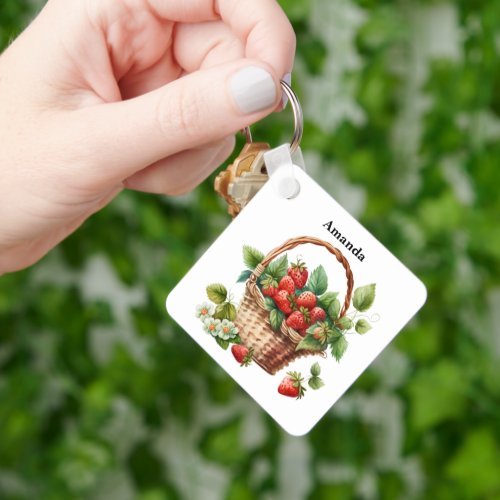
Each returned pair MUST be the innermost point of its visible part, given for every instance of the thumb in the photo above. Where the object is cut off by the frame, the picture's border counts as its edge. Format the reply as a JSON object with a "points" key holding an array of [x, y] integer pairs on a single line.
{"points": [[199, 108]]}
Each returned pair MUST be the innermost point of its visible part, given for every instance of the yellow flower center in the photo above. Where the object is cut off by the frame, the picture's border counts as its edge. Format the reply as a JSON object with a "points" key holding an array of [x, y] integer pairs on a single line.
{"points": [[212, 327], [226, 329], [204, 311]]}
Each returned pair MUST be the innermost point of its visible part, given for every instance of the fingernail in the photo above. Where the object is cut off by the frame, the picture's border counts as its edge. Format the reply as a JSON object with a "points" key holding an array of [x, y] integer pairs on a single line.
{"points": [[287, 79], [253, 89]]}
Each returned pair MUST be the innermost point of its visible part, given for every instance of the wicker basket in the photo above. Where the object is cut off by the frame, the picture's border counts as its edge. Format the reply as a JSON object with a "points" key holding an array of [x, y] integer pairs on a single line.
{"points": [[274, 350]]}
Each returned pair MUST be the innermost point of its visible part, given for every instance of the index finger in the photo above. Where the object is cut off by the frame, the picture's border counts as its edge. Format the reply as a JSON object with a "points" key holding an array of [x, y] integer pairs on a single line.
{"points": [[264, 26], [261, 25]]}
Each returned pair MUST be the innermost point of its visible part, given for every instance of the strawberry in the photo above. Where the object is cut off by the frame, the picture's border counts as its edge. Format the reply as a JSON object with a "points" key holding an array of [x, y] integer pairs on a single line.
{"points": [[298, 320], [283, 301], [307, 300], [269, 286], [317, 314], [322, 332], [286, 283], [303, 332], [291, 385], [298, 272], [242, 354], [318, 334]]}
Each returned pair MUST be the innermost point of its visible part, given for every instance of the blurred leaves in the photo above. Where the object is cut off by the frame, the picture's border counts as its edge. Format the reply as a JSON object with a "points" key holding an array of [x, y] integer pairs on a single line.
{"points": [[102, 396], [437, 395]]}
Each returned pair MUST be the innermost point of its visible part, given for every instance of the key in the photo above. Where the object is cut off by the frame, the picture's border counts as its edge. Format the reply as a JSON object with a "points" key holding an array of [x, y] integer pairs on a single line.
{"points": [[241, 181]]}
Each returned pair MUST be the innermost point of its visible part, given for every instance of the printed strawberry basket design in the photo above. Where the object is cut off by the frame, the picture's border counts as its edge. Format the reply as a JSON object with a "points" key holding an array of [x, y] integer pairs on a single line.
{"points": [[273, 350], [287, 313]]}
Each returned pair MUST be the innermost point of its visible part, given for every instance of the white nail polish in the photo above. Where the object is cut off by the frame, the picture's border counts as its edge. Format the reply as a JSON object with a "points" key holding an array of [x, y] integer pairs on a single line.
{"points": [[287, 78], [253, 89]]}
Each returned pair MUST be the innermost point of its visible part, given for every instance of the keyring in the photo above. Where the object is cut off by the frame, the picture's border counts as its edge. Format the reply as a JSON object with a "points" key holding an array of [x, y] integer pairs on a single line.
{"points": [[298, 118]]}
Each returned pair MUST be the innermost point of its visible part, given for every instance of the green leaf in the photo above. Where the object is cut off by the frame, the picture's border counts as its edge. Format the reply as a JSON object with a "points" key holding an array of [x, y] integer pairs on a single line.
{"points": [[221, 444], [334, 334], [217, 293], [327, 299], [362, 326], [338, 347], [438, 394], [315, 369], [318, 281], [475, 465], [363, 297], [225, 311], [252, 257], [334, 310], [223, 343], [231, 312], [278, 267], [309, 343], [276, 318], [243, 277], [344, 323], [270, 304], [315, 383]]}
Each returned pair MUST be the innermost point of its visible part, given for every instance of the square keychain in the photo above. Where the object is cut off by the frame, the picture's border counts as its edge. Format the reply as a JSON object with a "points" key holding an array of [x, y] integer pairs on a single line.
{"points": [[296, 298]]}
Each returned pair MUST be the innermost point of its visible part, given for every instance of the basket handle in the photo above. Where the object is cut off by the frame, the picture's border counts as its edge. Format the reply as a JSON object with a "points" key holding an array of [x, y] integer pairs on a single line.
{"points": [[301, 240]]}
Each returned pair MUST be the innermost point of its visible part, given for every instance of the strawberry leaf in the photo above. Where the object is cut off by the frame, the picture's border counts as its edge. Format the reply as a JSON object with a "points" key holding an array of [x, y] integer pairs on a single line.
{"points": [[217, 293], [363, 297], [362, 326], [334, 333], [327, 299], [252, 257], [338, 347], [243, 277], [318, 281], [315, 369], [278, 267], [344, 323], [309, 343], [223, 343], [270, 304], [334, 310], [315, 383], [276, 317], [225, 311]]}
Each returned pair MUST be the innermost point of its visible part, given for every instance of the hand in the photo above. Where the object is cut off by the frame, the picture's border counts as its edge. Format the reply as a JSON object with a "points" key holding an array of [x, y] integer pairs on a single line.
{"points": [[98, 95]]}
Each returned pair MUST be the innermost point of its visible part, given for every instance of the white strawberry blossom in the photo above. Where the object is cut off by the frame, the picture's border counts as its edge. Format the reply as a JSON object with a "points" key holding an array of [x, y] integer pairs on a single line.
{"points": [[227, 330], [205, 310], [211, 326]]}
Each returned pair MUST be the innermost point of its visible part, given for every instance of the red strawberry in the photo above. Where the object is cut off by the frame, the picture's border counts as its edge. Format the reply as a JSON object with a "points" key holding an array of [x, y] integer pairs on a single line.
{"points": [[269, 286], [283, 301], [286, 283], [317, 314], [298, 320], [242, 354], [307, 300], [303, 332], [298, 272], [291, 385]]}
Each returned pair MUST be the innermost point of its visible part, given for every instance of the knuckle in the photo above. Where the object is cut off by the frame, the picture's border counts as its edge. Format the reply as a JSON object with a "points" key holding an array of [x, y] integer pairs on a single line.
{"points": [[180, 114]]}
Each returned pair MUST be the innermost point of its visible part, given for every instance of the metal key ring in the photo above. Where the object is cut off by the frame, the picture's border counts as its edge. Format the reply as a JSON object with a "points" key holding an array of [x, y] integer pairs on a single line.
{"points": [[297, 116]]}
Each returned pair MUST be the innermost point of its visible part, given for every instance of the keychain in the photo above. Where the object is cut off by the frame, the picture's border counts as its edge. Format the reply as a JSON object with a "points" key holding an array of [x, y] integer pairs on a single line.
{"points": [[296, 298], [241, 181]]}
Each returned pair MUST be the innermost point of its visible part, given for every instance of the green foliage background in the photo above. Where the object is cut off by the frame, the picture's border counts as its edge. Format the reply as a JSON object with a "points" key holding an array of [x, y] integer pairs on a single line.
{"points": [[103, 397]]}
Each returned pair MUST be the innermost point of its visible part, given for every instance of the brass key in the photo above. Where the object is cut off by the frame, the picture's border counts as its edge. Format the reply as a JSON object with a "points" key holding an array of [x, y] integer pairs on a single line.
{"points": [[241, 181]]}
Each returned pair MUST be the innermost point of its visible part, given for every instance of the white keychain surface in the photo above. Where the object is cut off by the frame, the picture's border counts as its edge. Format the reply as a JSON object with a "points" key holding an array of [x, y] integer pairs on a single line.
{"points": [[296, 298]]}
